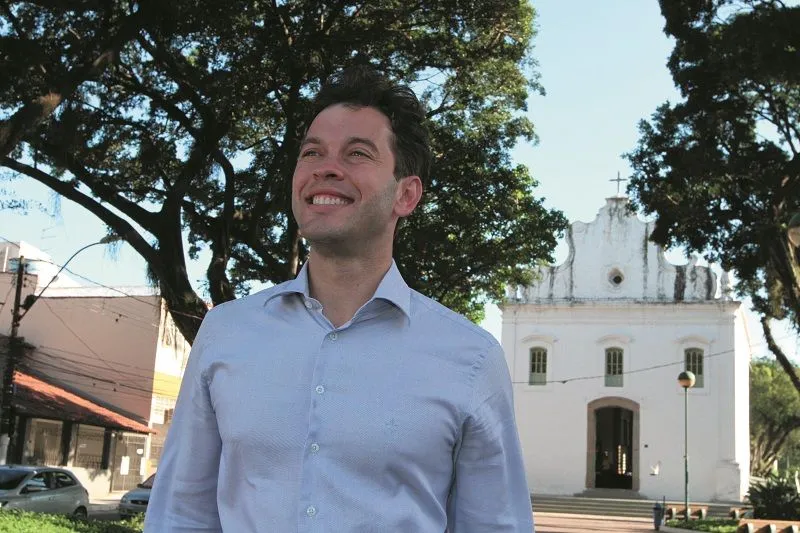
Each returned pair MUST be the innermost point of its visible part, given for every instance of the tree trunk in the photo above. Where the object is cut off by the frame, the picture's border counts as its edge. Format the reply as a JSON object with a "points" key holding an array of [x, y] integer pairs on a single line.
{"points": [[779, 355]]}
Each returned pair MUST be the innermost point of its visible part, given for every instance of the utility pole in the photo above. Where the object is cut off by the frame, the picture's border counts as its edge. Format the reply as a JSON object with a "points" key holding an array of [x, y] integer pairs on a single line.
{"points": [[15, 350]]}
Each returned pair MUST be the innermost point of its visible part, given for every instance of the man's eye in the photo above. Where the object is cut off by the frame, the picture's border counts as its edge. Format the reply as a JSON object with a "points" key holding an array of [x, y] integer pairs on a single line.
{"points": [[309, 152], [359, 153]]}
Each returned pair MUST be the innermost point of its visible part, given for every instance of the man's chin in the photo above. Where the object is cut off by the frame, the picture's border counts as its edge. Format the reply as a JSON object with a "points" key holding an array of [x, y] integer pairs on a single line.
{"points": [[324, 237]]}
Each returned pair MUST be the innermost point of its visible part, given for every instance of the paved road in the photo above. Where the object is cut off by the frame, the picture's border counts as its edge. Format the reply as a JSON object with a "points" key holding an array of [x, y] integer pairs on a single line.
{"points": [[103, 511], [570, 523]]}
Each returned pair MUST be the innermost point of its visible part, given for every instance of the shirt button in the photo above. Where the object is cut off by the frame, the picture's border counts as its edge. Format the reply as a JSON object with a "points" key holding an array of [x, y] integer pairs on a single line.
{"points": [[311, 510], [315, 447], [320, 389], [309, 305], [333, 336]]}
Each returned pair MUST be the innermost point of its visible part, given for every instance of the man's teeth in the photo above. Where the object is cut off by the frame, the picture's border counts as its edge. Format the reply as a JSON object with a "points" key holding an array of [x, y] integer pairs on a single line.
{"points": [[328, 200]]}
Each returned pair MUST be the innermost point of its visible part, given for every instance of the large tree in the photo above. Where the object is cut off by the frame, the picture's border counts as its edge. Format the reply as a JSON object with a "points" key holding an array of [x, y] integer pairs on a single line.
{"points": [[720, 169], [774, 416], [192, 131]]}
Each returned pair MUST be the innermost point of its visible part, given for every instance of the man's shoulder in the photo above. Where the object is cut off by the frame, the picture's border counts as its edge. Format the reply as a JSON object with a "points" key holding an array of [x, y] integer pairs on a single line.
{"points": [[445, 321], [234, 309]]}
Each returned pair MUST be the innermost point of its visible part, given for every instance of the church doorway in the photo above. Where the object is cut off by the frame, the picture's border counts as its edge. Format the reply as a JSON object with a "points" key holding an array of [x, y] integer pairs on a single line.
{"points": [[613, 444]]}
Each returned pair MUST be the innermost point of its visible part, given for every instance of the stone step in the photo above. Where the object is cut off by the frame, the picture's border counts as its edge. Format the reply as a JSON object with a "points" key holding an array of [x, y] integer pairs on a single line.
{"points": [[610, 507]]}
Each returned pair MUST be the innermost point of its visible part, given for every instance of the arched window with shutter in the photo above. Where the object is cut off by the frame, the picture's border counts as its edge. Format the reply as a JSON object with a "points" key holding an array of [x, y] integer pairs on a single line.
{"points": [[538, 369], [694, 364]]}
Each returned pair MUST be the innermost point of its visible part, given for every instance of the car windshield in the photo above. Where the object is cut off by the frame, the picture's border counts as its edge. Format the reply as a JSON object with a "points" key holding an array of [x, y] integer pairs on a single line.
{"points": [[10, 479], [148, 483]]}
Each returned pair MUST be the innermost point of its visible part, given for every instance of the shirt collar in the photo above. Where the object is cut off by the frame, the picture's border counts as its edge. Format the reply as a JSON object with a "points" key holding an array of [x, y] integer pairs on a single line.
{"points": [[392, 288]]}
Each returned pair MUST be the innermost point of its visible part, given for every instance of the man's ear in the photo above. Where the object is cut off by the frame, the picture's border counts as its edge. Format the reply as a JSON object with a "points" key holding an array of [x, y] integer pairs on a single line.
{"points": [[409, 192]]}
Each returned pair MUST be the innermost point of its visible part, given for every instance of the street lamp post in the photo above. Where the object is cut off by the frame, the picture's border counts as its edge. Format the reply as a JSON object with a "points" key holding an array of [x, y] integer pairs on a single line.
{"points": [[16, 347], [686, 380]]}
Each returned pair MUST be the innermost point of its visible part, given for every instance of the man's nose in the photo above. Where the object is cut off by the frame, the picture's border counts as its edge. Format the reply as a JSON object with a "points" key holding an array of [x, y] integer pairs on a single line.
{"points": [[328, 169]]}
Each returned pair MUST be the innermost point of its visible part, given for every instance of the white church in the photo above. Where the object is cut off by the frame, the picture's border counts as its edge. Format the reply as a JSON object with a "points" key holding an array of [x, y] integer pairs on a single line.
{"points": [[595, 347]]}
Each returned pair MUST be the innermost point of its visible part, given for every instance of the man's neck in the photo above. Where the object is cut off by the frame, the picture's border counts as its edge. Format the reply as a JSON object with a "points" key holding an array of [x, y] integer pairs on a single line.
{"points": [[343, 284]]}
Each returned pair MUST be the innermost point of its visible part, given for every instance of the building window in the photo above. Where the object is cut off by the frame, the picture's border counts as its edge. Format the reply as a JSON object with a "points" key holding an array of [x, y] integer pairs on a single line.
{"points": [[538, 374], [163, 407], [613, 367], [44, 443], [89, 447], [694, 364]]}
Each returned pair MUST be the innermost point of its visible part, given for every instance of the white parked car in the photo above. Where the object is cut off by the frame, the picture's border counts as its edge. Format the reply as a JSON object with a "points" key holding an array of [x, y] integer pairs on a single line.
{"points": [[135, 501], [42, 489]]}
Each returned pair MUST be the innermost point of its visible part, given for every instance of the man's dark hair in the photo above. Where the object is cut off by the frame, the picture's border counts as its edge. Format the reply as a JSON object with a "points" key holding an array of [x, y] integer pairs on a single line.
{"points": [[363, 86]]}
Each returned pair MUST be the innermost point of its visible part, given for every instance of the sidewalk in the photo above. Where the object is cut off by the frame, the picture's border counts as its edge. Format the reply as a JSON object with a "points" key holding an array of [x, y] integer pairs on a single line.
{"points": [[572, 523]]}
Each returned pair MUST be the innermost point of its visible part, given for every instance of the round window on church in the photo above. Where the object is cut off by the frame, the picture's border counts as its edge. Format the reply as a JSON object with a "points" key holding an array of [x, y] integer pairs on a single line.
{"points": [[616, 277]]}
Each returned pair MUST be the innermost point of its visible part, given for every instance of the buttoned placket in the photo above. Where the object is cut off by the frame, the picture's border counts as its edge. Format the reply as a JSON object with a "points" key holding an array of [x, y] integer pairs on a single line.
{"points": [[311, 516]]}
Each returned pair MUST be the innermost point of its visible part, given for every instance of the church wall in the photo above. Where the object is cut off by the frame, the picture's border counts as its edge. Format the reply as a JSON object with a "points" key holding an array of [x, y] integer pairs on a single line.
{"points": [[552, 418], [612, 258]]}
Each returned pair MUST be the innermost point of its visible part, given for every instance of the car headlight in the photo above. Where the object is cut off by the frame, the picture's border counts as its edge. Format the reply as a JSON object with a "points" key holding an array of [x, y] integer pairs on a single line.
{"points": [[125, 499]]}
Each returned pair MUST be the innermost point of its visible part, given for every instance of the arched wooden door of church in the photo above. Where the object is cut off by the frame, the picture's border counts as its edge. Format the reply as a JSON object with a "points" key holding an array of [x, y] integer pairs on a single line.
{"points": [[613, 430]]}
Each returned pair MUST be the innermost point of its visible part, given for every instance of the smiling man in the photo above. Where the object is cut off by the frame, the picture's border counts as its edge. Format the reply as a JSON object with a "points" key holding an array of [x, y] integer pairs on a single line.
{"points": [[343, 401]]}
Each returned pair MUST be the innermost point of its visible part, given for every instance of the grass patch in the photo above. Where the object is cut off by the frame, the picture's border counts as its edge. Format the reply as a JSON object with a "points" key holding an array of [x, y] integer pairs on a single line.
{"points": [[24, 522], [710, 525]]}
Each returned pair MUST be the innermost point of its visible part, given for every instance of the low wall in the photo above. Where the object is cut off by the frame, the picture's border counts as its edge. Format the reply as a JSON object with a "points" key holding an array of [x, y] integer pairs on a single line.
{"points": [[756, 525], [97, 482]]}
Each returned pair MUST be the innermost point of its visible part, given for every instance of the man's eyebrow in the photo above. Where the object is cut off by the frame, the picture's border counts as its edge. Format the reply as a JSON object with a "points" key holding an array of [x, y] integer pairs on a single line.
{"points": [[351, 140], [362, 140], [310, 140]]}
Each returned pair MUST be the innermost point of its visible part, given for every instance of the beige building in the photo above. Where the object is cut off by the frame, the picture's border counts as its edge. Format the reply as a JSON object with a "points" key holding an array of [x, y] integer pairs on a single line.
{"points": [[110, 361]]}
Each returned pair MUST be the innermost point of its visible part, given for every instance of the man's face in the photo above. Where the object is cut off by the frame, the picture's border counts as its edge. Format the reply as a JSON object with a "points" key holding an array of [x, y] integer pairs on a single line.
{"points": [[344, 191]]}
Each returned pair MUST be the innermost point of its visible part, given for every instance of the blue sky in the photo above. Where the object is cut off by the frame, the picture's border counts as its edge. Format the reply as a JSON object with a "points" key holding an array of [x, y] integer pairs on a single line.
{"points": [[603, 67]]}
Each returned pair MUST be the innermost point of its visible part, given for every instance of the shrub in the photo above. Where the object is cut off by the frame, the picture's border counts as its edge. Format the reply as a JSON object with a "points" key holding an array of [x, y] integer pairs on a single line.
{"points": [[710, 525], [775, 497], [25, 522]]}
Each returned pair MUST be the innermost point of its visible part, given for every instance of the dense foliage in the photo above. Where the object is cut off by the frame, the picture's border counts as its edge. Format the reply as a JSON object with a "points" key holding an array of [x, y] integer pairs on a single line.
{"points": [[25, 522], [720, 169], [776, 497], [774, 416], [174, 120]]}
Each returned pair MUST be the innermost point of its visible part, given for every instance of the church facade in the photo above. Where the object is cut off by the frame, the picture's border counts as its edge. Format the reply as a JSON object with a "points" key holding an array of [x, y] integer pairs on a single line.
{"points": [[595, 347]]}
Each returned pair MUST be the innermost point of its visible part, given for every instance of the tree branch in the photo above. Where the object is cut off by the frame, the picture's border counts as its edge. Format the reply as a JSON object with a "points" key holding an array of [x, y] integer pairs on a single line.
{"points": [[779, 355], [38, 110], [118, 224], [106, 193]]}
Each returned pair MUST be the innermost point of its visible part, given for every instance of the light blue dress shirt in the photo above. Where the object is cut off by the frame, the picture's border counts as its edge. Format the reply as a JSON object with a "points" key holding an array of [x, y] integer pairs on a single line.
{"points": [[400, 420]]}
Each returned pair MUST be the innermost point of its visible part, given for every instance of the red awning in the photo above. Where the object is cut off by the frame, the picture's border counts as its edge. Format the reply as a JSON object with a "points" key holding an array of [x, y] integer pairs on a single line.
{"points": [[37, 398]]}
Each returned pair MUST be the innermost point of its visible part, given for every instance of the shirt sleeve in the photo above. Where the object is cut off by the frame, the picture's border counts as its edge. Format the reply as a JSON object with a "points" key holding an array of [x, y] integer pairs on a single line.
{"points": [[490, 491], [184, 494]]}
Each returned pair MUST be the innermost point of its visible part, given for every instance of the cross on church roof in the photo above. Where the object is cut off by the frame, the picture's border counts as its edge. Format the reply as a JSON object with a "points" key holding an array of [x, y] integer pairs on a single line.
{"points": [[619, 180]]}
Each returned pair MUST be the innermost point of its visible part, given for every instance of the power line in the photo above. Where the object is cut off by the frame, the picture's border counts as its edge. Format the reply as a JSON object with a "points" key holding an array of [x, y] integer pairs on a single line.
{"points": [[82, 385], [145, 369], [640, 370], [108, 380], [119, 291], [97, 355], [189, 315], [114, 383], [111, 313], [82, 364], [562, 381]]}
